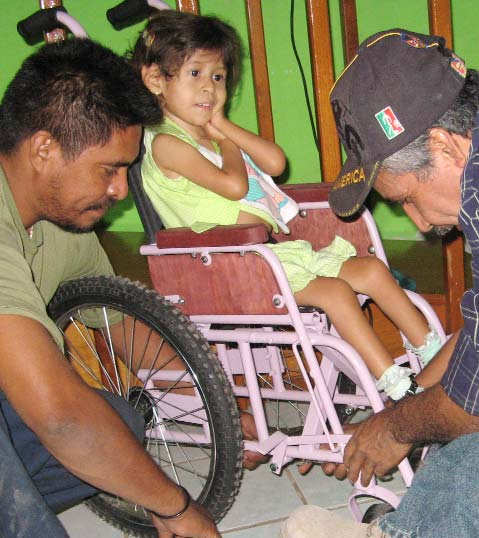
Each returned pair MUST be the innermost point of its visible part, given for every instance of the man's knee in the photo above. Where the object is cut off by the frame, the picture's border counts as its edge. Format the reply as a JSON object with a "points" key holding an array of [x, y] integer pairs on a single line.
{"points": [[130, 416]]}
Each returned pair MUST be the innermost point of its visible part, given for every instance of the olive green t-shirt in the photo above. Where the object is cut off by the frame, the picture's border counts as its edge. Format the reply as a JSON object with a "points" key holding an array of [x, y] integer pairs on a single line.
{"points": [[32, 268], [181, 202]]}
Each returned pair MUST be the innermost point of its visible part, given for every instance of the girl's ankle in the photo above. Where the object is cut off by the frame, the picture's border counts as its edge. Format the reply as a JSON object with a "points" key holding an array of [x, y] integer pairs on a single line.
{"points": [[429, 349], [398, 382]]}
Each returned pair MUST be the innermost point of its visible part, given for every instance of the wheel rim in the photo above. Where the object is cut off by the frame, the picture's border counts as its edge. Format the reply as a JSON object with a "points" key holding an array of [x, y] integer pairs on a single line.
{"points": [[178, 432]]}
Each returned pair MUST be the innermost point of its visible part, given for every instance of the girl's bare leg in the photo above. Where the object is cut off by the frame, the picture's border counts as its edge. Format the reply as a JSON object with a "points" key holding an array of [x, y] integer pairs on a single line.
{"points": [[338, 299], [371, 277]]}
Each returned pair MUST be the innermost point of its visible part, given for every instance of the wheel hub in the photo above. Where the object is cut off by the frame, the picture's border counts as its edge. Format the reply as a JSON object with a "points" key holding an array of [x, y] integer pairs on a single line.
{"points": [[142, 401]]}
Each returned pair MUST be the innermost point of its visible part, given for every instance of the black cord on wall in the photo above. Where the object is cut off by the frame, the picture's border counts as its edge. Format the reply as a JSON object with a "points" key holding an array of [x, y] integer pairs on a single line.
{"points": [[303, 78]]}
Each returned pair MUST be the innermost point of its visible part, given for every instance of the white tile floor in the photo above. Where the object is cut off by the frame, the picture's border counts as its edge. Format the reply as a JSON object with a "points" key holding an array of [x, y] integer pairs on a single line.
{"points": [[263, 503]]}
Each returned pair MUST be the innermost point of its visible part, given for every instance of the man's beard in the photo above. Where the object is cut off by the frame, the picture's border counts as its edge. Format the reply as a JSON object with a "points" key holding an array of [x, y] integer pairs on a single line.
{"points": [[69, 225], [72, 227]]}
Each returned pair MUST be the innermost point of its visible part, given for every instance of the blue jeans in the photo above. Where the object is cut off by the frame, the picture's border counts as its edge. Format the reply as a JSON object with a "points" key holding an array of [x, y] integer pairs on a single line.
{"points": [[34, 486], [443, 500]]}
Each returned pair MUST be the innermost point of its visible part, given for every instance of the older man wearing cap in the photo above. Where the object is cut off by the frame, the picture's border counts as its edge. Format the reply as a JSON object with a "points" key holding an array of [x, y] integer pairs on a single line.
{"points": [[407, 112]]}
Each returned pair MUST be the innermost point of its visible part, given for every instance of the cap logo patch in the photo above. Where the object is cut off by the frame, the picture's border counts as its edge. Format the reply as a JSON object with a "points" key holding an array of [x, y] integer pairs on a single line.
{"points": [[413, 41], [354, 176], [389, 123], [458, 65]]}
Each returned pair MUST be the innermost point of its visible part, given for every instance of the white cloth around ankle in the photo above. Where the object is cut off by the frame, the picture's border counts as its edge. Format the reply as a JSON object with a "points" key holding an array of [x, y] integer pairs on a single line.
{"points": [[395, 381], [432, 344]]}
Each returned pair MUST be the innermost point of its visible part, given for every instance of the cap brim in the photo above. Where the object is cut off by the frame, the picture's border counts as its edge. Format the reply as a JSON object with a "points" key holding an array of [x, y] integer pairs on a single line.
{"points": [[352, 187]]}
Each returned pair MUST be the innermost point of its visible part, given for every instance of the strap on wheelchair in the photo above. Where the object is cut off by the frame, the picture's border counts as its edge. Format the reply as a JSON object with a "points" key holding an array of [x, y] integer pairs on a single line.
{"points": [[148, 215]]}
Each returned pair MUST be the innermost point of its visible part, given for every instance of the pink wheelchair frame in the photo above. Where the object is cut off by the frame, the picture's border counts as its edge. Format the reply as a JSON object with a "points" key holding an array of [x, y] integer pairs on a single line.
{"points": [[234, 289]]}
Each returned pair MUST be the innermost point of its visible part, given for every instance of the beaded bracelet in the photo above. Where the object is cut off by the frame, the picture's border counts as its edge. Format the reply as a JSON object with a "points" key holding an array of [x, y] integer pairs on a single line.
{"points": [[181, 512]]}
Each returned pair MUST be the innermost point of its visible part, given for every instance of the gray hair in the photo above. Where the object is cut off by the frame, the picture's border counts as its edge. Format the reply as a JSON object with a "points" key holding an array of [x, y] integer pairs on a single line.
{"points": [[459, 119]]}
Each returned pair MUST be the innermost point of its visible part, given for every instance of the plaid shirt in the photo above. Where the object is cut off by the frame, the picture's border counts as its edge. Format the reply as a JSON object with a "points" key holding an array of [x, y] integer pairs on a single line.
{"points": [[461, 380]]}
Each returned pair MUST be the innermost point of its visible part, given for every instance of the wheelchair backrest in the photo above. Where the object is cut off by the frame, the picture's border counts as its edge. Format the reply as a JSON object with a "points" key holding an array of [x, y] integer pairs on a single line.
{"points": [[149, 217]]}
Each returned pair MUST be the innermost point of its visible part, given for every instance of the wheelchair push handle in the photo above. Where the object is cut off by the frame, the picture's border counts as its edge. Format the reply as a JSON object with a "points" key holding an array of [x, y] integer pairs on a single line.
{"points": [[129, 12], [49, 22], [33, 27]]}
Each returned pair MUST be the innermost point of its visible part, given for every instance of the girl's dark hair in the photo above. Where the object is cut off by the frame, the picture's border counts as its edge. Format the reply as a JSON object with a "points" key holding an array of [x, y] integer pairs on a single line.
{"points": [[80, 92], [171, 37]]}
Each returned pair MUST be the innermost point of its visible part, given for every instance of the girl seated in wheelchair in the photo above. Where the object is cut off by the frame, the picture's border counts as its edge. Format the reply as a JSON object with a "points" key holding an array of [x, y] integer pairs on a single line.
{"points": [[201, 170]]}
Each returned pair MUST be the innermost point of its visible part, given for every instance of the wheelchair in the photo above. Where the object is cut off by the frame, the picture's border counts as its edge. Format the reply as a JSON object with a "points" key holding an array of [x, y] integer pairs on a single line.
{"points": [[224, 333]]}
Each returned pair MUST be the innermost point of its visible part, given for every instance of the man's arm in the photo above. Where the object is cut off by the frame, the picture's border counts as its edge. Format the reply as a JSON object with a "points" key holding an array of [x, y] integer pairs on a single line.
{"points": [[430, 376], [383, 440], [433, 372], [72, 422]]}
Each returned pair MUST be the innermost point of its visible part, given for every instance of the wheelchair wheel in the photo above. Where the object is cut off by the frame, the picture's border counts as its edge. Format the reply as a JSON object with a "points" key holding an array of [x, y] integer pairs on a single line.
{"points": [[164, 368]]}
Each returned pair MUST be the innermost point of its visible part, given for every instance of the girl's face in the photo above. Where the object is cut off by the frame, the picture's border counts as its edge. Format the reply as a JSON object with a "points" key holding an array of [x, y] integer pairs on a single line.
{"points": [[197, 91]]}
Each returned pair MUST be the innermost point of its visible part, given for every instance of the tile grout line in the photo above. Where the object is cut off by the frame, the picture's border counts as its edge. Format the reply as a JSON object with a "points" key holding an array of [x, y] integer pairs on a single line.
{"points": [[255, 525], [296, 487]]}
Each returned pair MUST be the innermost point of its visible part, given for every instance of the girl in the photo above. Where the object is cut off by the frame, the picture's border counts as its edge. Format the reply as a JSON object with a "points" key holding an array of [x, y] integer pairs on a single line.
{"points": [[201, 170]]}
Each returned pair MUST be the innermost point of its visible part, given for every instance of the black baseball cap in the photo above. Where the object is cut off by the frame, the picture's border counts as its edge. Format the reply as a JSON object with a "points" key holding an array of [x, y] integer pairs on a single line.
{"points": [[395, 88]]}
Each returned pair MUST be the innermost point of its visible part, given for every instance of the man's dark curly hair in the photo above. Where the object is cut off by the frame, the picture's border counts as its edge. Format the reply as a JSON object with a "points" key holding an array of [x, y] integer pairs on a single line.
{"points": [[80, 92]]}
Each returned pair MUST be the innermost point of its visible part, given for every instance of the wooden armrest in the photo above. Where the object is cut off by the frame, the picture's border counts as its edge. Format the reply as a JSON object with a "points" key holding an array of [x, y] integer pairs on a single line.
{"points": [[308, 192], [219, 236]]}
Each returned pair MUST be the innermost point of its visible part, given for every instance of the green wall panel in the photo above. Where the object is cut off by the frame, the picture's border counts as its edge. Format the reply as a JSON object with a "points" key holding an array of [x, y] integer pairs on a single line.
{"points": [[292, 126]]}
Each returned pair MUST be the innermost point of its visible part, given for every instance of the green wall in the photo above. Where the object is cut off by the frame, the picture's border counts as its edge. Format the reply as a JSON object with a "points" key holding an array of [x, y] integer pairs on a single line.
{"points": [[292, 126]]}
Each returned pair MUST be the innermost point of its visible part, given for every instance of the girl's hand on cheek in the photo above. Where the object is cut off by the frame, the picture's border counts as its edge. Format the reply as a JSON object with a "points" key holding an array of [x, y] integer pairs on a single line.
{"points": [[213, 133], [218, 117]]}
